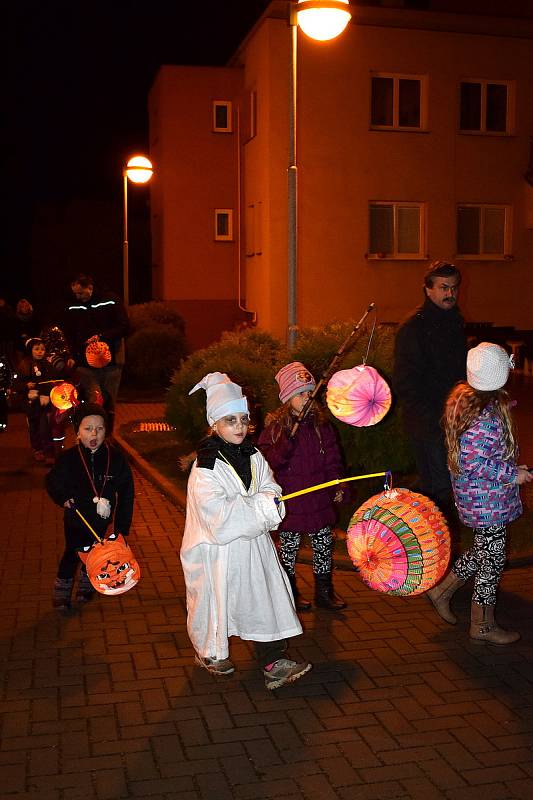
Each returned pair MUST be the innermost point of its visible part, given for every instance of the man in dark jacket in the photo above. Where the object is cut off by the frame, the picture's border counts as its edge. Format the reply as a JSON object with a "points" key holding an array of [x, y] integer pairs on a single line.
{"points": [[430, 358], [96, 316]]}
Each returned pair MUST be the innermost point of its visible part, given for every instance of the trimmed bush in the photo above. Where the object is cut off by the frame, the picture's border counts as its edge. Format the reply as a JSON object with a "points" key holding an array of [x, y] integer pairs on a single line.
{"points": [[144, 315], [154, 352], [252, 359], [249, 358]]}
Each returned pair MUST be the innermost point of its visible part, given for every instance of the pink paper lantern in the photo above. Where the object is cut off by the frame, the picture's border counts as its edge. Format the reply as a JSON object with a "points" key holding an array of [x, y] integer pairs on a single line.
{"points": [[358, 396]]}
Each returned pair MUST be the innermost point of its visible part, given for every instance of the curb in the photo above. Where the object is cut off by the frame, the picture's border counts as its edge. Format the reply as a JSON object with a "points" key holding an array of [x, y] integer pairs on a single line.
{"points": [[171, 492], [178, 497]]}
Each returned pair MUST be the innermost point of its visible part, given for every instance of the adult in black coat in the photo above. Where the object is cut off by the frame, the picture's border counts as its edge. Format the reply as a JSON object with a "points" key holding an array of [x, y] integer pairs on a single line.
{"points": [[95, 315], [429, 359]]}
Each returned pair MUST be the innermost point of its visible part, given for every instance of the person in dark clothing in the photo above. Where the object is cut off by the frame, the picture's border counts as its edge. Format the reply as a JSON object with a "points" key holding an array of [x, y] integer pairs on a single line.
{"points": [[27, 325], [96, 479], [312, 456], [96, 316], [429, 359]]}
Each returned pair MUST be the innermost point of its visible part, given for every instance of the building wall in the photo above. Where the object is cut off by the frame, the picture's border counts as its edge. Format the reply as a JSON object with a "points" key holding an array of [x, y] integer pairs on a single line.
{"points": [[343, 165], [196, 174]]}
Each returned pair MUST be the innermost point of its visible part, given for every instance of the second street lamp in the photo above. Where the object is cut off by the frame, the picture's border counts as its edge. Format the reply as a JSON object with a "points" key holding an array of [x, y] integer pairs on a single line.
{"points": [[321, 20], [138, 170]]}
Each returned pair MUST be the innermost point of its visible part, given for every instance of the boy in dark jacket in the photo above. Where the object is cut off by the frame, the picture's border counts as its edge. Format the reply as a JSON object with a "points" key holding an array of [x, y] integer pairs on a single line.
{"points": [[96, 479]]}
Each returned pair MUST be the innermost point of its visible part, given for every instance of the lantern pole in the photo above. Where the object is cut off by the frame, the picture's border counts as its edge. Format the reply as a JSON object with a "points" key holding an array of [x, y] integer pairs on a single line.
{"points": [[328, 372]]}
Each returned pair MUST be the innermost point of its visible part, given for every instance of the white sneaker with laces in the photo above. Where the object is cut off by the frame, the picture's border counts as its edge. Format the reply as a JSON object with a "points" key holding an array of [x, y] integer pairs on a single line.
{"points": [[221, 666], [284, 671]]}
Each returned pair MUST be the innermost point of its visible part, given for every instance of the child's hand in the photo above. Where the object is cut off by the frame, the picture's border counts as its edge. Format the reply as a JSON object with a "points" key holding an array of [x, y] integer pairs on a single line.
{"points": [[339, 496], [524, 475], [92, 339], [69, 503]]}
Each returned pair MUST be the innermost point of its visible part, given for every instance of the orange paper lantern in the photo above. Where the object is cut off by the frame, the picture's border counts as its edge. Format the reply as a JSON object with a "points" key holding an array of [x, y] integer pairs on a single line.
{"points": [[64, 396], [399, 542], [98, 354], [111, 566]]}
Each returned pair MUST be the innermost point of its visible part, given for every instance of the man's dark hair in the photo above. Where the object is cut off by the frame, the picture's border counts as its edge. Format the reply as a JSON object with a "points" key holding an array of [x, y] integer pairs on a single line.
{"points": [[88, 410], [440, 269], [83, 279]]}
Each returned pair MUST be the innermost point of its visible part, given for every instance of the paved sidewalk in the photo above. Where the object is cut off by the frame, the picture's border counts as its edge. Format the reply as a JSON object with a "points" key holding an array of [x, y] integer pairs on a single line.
{"points": [[107, 704]]}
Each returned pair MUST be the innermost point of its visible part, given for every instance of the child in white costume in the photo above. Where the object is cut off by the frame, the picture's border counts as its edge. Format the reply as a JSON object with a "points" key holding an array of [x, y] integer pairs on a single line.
{"points": [[234, 581]]}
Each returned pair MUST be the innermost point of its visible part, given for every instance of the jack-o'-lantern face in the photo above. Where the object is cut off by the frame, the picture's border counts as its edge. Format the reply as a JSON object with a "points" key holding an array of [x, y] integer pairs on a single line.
{"points": [[111, 566]]}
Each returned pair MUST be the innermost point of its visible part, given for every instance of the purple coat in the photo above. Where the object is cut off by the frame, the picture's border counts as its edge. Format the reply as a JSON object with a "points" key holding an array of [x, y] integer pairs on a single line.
{"points": [[486, 492], [307, 459]]}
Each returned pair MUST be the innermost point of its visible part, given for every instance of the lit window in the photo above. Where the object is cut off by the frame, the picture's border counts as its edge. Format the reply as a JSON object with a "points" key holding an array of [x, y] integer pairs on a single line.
{"points": [[397, 230], [483, 231], [485, 106], [398, 102], [223, 224], [222, 116]]}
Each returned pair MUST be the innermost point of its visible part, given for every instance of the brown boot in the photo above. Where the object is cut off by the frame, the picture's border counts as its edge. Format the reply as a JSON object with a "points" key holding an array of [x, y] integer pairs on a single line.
{"points": [[325, 596], [484, 628], [441, 595]]}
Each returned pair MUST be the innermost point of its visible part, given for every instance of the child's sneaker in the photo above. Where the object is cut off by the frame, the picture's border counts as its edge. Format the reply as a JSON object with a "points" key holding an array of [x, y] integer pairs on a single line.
{"points": [[221, 666], [284, 671]]}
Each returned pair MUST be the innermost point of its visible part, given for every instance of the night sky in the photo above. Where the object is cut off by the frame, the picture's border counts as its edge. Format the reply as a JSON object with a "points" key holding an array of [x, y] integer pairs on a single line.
{"points": [[78, 80]]}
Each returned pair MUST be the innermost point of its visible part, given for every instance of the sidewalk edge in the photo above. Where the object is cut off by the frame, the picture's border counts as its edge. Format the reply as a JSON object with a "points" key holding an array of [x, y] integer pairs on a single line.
{"points": [[172, 492]]}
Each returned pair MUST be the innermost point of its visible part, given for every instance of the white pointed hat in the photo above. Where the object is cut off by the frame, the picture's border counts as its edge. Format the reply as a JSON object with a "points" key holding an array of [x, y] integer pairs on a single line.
{"points": [[222, 396]]}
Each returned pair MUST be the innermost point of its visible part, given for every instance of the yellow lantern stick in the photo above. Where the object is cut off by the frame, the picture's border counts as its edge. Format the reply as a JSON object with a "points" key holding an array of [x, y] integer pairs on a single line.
{"points": [[90, 528], [332, 483]]}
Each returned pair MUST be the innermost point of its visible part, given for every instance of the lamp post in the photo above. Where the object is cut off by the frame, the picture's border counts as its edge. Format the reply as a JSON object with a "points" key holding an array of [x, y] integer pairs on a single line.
{"points": [[138, 170], [321, 20]]}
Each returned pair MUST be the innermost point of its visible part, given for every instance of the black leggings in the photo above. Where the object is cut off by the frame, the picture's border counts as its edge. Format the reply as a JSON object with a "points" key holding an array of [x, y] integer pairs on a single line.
{"points": [[321, 542], [485, 560]]}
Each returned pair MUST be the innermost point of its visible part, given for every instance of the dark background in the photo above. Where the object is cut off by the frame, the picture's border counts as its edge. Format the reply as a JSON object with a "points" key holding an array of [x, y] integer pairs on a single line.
{"points": [[79, 74]]}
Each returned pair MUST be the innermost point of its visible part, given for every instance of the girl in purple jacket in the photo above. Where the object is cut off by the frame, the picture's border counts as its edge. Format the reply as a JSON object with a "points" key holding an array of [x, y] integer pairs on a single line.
{"points": [[312, 456], [482, 454]]}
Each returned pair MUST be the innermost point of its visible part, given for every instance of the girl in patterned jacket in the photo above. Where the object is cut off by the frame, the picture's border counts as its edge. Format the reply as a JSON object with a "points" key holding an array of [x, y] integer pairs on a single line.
{"points": [[482, 454]]}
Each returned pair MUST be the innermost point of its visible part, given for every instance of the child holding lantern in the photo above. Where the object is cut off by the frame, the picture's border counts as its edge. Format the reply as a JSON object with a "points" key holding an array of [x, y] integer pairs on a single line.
{"points": [[95, 478], [309, 457]]}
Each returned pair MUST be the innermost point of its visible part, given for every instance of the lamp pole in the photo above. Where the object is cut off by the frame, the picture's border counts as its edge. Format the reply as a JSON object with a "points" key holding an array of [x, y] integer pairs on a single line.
{"points": [[321, 20], [139, 169]]}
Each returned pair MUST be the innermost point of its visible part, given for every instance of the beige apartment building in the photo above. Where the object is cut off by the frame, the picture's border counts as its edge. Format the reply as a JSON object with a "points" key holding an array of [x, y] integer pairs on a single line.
{"points": [[414, 142]]}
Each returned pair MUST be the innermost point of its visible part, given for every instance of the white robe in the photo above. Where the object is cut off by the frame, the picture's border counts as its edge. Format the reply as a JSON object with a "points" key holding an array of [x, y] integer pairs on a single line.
{"points": [[235, 583]]}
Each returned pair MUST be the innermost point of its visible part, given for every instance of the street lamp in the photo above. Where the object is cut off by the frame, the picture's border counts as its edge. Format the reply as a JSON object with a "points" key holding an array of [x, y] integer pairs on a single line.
{"points": [[138, 170], [321, 20]]}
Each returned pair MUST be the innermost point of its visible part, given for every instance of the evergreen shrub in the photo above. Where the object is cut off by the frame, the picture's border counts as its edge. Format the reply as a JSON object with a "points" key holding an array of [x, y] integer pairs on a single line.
{"points": [[143, 315], [248, 357], [252, 358], [153, 353], [156, 344]]}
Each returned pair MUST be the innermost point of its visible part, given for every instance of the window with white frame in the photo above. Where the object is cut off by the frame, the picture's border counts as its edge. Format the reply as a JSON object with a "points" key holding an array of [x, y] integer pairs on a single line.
{"points": [[223, 224], [398, 102], [397, 230], [222, 116], [485, 106], [483, 231]]}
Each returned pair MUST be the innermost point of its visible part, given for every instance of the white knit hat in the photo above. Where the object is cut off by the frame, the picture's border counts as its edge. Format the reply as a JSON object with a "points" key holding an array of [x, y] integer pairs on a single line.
{"points": [[223, 396], [487, 367]]}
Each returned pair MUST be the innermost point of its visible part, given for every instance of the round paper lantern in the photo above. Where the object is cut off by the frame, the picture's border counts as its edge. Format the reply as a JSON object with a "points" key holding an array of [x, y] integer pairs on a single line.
{"points": [[64, 396], [98, 354], [399, 542], [111, 566], [358, 396]]}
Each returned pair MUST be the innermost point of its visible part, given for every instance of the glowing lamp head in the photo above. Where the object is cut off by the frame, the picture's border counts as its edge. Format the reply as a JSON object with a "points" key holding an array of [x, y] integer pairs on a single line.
{"points": [[323, 19], [139, 169]]}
